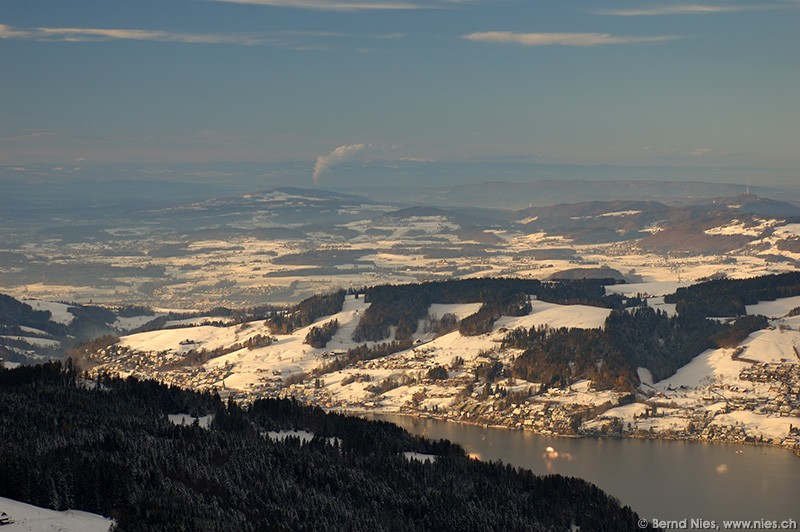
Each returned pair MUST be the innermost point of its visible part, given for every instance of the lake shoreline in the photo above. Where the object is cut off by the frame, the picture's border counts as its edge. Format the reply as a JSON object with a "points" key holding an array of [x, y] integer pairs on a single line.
{"points": [[658, 477], [632, 436]]}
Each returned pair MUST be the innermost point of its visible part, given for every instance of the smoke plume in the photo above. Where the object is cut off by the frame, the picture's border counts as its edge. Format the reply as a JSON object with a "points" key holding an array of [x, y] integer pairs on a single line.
{"points": [[338, 156]]}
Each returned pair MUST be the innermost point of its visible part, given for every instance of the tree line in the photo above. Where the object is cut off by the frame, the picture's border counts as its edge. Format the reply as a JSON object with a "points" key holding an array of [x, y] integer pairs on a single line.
{"points": [[632, 338], [107, 447], [402, 306], [306, 312], [729, 297]]}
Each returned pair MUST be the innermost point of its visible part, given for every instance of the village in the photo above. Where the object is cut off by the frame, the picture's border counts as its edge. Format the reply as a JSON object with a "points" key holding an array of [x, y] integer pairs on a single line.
{"points": [[751, 409]]}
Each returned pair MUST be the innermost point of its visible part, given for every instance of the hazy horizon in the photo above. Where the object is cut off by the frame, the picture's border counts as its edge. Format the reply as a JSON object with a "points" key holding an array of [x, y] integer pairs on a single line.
{"points": [[440, 92]]}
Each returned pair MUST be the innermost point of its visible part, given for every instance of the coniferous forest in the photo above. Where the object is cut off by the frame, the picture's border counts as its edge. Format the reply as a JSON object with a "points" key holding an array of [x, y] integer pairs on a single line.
{"points": [[107, 447], [404, 305]]}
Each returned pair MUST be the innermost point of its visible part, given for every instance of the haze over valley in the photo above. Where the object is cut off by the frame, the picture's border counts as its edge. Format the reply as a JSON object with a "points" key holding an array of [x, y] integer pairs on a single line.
{"points": [[281, 245]]}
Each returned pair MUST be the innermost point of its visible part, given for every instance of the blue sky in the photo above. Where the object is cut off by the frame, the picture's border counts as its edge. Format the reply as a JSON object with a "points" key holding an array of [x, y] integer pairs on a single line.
{"points": [[327, 84]]}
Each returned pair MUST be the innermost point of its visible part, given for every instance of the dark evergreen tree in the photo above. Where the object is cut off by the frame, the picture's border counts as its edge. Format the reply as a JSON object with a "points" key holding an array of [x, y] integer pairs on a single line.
{"points": [[109, 449]]}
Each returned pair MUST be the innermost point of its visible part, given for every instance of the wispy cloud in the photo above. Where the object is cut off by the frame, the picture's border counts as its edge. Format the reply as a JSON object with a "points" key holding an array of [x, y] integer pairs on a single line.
{"points": [[297, 40], [687, 9], [564, 39], [686, 153], [330, 5], [107, 34], [701, 152], [340, 155]]}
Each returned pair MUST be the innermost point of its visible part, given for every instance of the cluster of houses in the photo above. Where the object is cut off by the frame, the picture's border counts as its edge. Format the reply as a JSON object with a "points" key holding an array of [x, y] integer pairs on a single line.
{"points": [[764, 389], [562, 412], [784, 381], [164, 365]]}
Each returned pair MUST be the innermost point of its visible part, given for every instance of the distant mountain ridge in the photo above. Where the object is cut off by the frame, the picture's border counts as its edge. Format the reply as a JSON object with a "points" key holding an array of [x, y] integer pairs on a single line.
{"points": [[752, 204], [513, 195]]}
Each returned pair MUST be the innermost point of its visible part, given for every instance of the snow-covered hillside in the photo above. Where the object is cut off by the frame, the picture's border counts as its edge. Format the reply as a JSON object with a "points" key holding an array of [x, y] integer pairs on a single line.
{"points": [[731, 393], [59, 312], [25, 517], [249, 371]]}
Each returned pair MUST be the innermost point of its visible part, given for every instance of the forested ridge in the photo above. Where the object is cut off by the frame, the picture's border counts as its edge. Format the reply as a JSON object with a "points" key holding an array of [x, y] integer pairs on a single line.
{"points": [[402, 306], [107, 447], [728, 297], [17, 319], [632, 338], [306, 312]]}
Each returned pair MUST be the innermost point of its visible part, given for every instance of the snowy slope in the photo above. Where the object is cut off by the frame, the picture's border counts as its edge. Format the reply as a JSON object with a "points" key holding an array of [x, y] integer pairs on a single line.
{"points": [[557, 316], [710, 365], [58, 311], [775, 309], [711, 384], [461, 310], [32, 518], [132, 322], [289, 354], [772, 346]]}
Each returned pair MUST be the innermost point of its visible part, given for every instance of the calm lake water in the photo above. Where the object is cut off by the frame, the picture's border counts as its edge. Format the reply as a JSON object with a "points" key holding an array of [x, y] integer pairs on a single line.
{"points": [[657, 478]]}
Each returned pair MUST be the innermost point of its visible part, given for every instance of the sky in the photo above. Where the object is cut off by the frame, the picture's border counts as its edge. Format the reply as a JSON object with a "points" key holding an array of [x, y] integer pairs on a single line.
{"points": [[430, 86]]}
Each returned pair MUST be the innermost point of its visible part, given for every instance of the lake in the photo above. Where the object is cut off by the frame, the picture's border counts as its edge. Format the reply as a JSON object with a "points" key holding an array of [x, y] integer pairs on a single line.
{"points": [[668, 480]]}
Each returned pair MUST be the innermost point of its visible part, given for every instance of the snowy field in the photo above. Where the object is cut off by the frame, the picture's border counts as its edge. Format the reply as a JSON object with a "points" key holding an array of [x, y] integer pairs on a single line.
{"points": [[710, 365], [655, 288], [40, 342], [58, 311], [772, 346], [557, 316], [30, 518], [132, 322], [775, 309]]}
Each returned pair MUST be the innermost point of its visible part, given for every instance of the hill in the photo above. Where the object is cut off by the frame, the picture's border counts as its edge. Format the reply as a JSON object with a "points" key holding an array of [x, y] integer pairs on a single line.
{"points": [[551, 356], [543, 192], [110, 447]]}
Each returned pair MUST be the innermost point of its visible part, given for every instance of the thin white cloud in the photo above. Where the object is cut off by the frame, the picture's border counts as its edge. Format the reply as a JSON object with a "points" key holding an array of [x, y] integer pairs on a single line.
{"points": [[701, 152], [330, 5], [686, 9], [108, 34], [297, 40], [390, 36], [7, 32], [564, 39], [416, 159], [338, 156]]}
